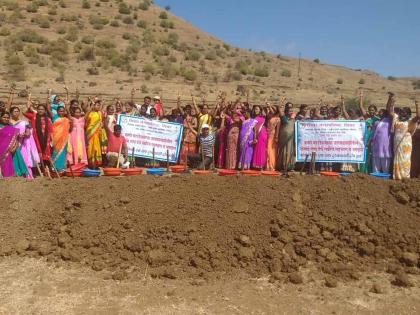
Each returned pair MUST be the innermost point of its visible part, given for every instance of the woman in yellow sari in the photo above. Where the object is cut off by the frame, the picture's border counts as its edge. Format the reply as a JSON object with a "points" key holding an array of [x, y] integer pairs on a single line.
{"points": [[60, 139], [94, 135]]}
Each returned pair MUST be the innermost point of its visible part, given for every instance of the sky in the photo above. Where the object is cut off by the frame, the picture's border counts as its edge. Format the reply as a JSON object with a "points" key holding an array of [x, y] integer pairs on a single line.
{"points": [[379, 35]]}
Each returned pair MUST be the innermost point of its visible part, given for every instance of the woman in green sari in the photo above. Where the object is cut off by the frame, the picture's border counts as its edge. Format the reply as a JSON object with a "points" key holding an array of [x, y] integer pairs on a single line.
{"points": [[370, 117], [286, 158]]}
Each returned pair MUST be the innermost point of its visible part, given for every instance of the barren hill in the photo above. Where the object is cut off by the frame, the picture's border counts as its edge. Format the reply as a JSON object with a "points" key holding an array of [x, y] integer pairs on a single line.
{"points": [[109, 47]]}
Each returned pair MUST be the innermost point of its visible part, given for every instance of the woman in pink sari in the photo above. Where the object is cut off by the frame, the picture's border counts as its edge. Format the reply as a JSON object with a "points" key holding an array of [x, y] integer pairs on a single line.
{"points": [[259, 158], [246, 139], [27, 143], [76, 151], [11, 161]]}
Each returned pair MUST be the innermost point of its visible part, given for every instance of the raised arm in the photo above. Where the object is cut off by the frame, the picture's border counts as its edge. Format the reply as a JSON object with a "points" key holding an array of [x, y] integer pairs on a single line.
{"points": [[343, 108], [67, 100], [10, 100], [197, 110], [48, 103], [361, 105], [133, 91], [178, 104], [390, 104]]}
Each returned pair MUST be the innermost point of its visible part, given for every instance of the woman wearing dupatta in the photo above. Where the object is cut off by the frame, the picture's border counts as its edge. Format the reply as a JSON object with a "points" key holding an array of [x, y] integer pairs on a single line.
{"points": [[403, 128], [27, 142], [76, 151], [272, 143], [60, 139], [94, 134], [42, 130], [231, 160], [189, 138], [246, 142], [11, 160], [286, 158], [370, 117], [259, 159]]}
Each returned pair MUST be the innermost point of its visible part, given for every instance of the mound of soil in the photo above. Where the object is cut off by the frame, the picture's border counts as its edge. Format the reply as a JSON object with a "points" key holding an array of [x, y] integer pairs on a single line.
{"points": [[208, 226]]}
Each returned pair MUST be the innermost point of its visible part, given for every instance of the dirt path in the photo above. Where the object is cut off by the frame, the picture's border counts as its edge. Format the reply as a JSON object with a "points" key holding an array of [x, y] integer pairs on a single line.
{"points": [[32, 286]]}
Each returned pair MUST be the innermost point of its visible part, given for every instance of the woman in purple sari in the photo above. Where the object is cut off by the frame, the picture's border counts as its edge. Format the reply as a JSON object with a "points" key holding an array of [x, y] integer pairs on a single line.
{"points": [[259, 159], [246, 142], [27, 143], [11, 161]]}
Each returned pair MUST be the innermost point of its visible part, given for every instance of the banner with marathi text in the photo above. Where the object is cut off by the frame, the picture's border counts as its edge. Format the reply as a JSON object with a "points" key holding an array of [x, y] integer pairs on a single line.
{"points": [[144, 134], [340, 141]]}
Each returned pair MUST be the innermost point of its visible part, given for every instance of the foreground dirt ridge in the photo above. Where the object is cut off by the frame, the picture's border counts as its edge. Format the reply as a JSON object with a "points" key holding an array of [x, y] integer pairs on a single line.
{"points": [[209, 227]]}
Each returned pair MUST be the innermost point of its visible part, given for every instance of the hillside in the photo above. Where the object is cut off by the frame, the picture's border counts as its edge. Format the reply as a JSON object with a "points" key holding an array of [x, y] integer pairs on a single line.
{"points": [[108, 47]]}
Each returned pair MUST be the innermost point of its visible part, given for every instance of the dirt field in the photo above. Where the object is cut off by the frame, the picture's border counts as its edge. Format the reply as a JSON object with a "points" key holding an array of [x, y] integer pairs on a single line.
{"points": [[210, 245]]}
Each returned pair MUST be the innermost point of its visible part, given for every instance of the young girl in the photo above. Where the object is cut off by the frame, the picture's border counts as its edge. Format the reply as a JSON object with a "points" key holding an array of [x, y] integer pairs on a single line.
{"points": [[60, 139], [76, 152], [93, 128], [11, 160], [27, 142], [42, 130]]}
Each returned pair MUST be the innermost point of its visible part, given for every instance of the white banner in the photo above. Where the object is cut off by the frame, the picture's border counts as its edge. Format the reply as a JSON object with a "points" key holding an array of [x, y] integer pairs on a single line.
{"points": [[340, 141], [145, 134]]}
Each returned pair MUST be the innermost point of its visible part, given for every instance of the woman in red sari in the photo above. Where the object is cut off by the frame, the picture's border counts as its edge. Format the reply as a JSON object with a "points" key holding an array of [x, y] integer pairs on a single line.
{"points": [[42, 130]]}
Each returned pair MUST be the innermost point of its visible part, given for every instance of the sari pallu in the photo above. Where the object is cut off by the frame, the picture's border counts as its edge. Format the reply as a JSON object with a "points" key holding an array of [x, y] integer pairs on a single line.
{"points": [[94, 136], [60, 141], [27, 146], [246, 148], [11, 160], [259, 159]]}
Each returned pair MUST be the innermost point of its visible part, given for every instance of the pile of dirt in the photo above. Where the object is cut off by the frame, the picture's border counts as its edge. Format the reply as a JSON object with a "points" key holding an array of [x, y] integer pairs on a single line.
{"points": [[209, 226]]}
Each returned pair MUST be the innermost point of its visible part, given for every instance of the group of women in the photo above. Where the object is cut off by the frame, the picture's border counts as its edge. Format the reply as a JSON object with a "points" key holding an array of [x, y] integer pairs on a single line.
{"points": [[62, 132]]}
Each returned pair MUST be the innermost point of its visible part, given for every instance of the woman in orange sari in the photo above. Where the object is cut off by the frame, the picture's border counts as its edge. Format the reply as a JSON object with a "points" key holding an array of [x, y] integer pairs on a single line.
{"points": [[272, 147], [93, 129], [60, 139], [189, 143]]}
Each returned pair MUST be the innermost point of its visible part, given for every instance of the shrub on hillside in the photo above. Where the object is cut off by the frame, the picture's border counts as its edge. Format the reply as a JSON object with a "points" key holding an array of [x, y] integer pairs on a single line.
{"points": [[128, 20], [123, 8], [30, 36], [162, 51], [142, 24], [211, 55], [172, 39], [243, 67], [93, 71], [16, 67], [166, 24], [72, 34], [163, 15], [339, 81], [98, 20], [32, 7], [85, 4], [391, 78], [115, 23], [4, 31], [362, 81], [144, 5], [149, 68], [88, 39], [286, 73], [190, 75], [62, 4], [192, 54], [87, 53], [316, 60], [265, 72]]}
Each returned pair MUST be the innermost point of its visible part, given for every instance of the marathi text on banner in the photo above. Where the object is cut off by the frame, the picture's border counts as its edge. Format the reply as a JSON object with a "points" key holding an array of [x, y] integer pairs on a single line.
{"points": [[340, 141], [144, 134]]}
